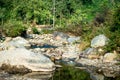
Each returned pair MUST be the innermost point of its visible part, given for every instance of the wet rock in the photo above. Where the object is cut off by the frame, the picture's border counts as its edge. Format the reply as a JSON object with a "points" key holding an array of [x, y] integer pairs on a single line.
{"points": [[38, 76], [99, 41], [98, 66], [28, 76], [28, 59]]}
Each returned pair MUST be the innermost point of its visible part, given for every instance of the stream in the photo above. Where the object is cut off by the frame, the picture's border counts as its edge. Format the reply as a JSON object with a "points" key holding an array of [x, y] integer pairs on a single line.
{"points": [[63, 73], [68, 71]]}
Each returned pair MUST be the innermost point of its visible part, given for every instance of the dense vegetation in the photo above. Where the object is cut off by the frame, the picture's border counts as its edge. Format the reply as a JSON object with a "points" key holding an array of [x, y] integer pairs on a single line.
{"points": [[86, 18], [70, 73]]}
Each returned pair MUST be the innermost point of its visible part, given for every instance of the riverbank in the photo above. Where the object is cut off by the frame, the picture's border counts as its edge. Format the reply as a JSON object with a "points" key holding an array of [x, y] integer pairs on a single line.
{"points": [[57, 47]]}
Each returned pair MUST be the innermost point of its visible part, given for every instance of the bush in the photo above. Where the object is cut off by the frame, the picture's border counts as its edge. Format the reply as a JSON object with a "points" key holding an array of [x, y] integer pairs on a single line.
{"points": [[14, 28], [114, 36], [47, 31], [114, 42], [116, 21], [35, 30], [72, 29]]}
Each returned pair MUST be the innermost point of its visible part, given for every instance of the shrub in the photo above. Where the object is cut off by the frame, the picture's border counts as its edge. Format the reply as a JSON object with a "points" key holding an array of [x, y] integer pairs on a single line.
{"points": [[35, 30], [116, 21], [14, 28], [72, 29], [47, 31], [114, 42], [114, 36]]}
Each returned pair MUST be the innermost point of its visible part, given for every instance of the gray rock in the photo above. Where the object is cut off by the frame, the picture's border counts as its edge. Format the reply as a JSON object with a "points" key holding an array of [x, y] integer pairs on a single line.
{"points": [[19, 42], [98, 66], [12, 43], [73, 39], [99, 41], [28, 76], [89, 51], [70, 53], [61, 35], [28, 59]]}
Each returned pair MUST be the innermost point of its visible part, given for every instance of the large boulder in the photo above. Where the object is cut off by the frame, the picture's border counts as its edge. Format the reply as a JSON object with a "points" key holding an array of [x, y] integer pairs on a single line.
{"points": [[17, 42], [23, 57], [99, 41]]}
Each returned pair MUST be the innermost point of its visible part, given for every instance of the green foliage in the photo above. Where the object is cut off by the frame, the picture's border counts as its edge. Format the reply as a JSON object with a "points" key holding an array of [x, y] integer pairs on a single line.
{"points": [[84, 2], [78, 17], [116, 20], [27, 10], [114, 32], [114, 42], [70, 73], [87, 18], [14, 28], [35, 30], [46, 31], [71, 29]]}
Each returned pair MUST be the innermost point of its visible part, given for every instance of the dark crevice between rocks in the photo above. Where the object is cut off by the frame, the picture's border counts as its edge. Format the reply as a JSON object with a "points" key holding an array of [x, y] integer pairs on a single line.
{"points": [[44, 46]]}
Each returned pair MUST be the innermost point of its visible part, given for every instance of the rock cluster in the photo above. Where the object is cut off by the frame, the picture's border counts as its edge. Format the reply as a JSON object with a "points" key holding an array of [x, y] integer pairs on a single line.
{"points": [[38, 52], [52, 46], [35, 53], [97, 60]]}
